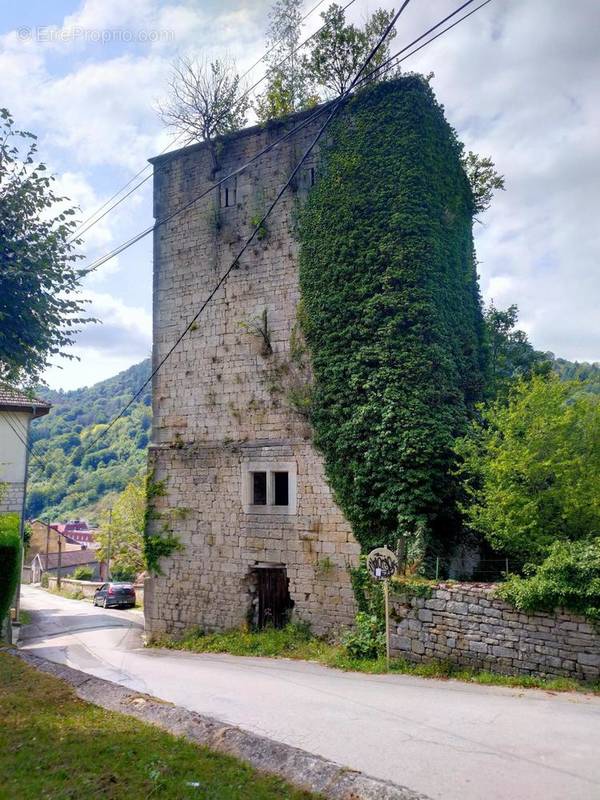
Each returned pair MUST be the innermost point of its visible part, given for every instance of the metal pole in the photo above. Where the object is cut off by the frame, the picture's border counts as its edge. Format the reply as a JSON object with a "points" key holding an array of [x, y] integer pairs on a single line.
{"points": [[59, 564], [437, 568], [507, 566], [387, 624], [47, 542], [108, 549]]}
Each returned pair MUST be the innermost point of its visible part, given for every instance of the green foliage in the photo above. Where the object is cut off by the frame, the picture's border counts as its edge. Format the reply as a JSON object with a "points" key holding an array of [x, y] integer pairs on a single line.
{"points": [[39, 314], [511, 356], [83, 574], [10, 561], [483, 178], [391, 313], [412, 586], [285, 641], [287, 88], [569, 577], [123, 530], [161, 543], [366, 639], [71, 480], [531, 468], [339, 49]]}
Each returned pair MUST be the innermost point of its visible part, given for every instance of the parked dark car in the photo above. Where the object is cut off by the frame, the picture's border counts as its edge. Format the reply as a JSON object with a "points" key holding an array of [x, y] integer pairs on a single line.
{"points": [[120, 595]]}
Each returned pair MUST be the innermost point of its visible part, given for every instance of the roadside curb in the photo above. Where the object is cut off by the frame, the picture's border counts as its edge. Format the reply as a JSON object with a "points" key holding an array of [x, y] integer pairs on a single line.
{"points": [[304, 769]]}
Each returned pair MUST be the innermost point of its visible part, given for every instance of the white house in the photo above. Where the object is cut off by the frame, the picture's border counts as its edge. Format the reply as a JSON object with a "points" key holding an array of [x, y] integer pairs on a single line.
{"points": [[16, 412]]}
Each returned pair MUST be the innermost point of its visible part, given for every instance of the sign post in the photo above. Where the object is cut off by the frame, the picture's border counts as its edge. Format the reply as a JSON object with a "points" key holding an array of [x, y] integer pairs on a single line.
{"points": [[382, 564]]}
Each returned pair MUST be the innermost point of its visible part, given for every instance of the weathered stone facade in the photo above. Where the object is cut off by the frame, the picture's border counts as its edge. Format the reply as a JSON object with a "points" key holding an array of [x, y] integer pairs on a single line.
{"points": [[224, 401], [466, 625], [11, 497]]}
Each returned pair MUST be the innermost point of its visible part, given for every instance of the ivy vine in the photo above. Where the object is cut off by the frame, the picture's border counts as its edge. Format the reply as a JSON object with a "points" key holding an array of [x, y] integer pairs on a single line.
{"points": [[392, 314]]}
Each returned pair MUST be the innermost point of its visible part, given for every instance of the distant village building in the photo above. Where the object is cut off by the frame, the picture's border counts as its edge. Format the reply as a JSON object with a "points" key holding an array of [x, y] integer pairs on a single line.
{"points": [[17, 410], [245, 487], [67, 563], [74, 535]]}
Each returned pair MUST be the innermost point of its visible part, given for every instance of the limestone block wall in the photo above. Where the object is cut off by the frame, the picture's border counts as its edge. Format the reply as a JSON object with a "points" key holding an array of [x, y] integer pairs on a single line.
{"points": [[224, 398], [467, 625], [11, 497]]}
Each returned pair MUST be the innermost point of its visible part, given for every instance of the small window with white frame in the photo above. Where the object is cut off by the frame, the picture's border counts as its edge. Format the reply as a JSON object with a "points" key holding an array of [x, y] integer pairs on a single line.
{"points": [[269, 488]]}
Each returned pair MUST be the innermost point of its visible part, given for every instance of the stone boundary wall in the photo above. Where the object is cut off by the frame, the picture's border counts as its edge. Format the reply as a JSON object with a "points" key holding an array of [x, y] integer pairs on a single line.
{"points": [[468, 626]]}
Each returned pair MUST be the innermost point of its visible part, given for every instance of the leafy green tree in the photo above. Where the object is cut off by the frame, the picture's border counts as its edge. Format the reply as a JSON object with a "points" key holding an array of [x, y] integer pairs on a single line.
{"points": [[511, 356], [40, 312], [531, 468], [340, 48], [287, 89], [121, 533], [484, 179]]}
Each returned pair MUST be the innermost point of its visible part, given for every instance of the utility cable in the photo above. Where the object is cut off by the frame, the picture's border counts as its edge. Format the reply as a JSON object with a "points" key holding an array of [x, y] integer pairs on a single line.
{"points": [[263, 219], [81, 229]]}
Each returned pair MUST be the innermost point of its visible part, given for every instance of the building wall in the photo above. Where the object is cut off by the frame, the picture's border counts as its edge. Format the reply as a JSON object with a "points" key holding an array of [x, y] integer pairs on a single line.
{"points": [[12, 460], [221, 400], [42, 542], [467, 625]]}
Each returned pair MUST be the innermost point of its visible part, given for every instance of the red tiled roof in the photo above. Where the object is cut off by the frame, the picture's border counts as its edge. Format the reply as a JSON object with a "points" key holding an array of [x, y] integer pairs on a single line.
{"points": [[13, 399]]}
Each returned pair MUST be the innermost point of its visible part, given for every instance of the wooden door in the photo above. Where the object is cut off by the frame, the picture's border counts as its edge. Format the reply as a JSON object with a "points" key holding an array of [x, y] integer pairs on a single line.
{"points": [[274, 600]]}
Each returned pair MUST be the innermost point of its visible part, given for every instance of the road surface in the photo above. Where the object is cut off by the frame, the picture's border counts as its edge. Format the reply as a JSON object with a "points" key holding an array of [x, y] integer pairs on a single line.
{"points": [[449, 740]]}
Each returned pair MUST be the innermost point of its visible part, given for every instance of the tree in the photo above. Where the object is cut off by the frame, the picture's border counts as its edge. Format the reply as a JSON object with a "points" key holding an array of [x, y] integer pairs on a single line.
{"points": [[531, 468], [122, 531], [40, 312], [483, 178], [206, 100], [287, 86], [339, 49], [511, 356]]}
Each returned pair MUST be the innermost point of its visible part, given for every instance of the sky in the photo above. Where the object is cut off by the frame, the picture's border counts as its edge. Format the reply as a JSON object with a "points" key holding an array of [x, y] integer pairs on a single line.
{"points": [[518, 80]]}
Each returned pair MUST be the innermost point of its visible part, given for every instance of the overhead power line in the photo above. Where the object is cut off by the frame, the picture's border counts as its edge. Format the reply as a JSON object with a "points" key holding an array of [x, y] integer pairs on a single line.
{"points": [[336, 106], [82, 230], [147, 231]]}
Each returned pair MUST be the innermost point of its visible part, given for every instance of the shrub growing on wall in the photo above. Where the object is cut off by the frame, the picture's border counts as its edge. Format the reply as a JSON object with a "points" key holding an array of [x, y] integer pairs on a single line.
{"points": [[10, 561], [392, 313]]}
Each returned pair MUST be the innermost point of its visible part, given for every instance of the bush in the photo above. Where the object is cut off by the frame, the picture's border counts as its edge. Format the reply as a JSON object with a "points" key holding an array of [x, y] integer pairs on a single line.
{"points": [[568, 578], [532, 468], [83, 574], [366, 639], [10, 560], [126, 574]]}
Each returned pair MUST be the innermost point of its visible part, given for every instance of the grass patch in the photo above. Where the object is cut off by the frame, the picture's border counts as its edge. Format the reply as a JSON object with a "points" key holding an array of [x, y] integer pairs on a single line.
{"points": [[24, 616], [53, 745], [295, 641]]}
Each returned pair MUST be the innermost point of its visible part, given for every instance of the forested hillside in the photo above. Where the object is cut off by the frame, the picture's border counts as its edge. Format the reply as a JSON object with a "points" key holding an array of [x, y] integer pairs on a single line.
{"points": [[73, 477], [77, 481]]}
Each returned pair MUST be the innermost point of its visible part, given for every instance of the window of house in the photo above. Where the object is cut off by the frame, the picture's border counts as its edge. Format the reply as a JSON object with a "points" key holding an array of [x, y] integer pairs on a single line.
{"points": [[269, 487], [281, 486], [259, 488]]}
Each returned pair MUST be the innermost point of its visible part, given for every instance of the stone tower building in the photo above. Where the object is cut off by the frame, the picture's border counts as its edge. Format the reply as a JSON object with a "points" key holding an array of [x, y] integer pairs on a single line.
{"points": [[244, 488]]}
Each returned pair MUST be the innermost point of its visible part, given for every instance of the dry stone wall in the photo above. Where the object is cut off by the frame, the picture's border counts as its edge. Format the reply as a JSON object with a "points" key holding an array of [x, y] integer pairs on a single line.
{"points": [[223, 400], [467, 625]]}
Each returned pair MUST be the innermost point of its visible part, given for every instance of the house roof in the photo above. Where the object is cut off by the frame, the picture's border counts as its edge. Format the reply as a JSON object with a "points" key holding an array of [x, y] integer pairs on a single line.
{"points": [[69, 558], [12, 399]]}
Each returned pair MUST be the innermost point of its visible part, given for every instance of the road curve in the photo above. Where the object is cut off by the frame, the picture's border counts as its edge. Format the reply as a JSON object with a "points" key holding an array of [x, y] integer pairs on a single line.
{"points": [[449, 740]]}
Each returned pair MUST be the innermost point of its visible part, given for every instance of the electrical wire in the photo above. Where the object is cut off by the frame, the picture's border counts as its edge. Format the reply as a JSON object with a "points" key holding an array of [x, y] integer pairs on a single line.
{"points": [[336, 106], [81, 229]]}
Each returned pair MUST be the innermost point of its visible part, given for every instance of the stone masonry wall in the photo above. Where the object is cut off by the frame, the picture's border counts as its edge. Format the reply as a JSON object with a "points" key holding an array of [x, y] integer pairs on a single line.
{"points": [[468, 626], [11, 497], [222, 400]]}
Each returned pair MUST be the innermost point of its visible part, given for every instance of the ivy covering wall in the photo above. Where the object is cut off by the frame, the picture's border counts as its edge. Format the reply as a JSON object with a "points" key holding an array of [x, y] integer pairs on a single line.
{"points": [[392, 314]]}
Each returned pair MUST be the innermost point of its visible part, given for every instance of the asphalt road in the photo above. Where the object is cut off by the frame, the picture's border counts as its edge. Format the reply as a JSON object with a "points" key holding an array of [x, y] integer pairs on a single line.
{"points": [[449, 740]]}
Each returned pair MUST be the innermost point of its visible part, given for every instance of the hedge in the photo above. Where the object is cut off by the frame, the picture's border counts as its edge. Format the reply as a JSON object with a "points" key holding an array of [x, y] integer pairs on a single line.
{"points": [[10, 560]]}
